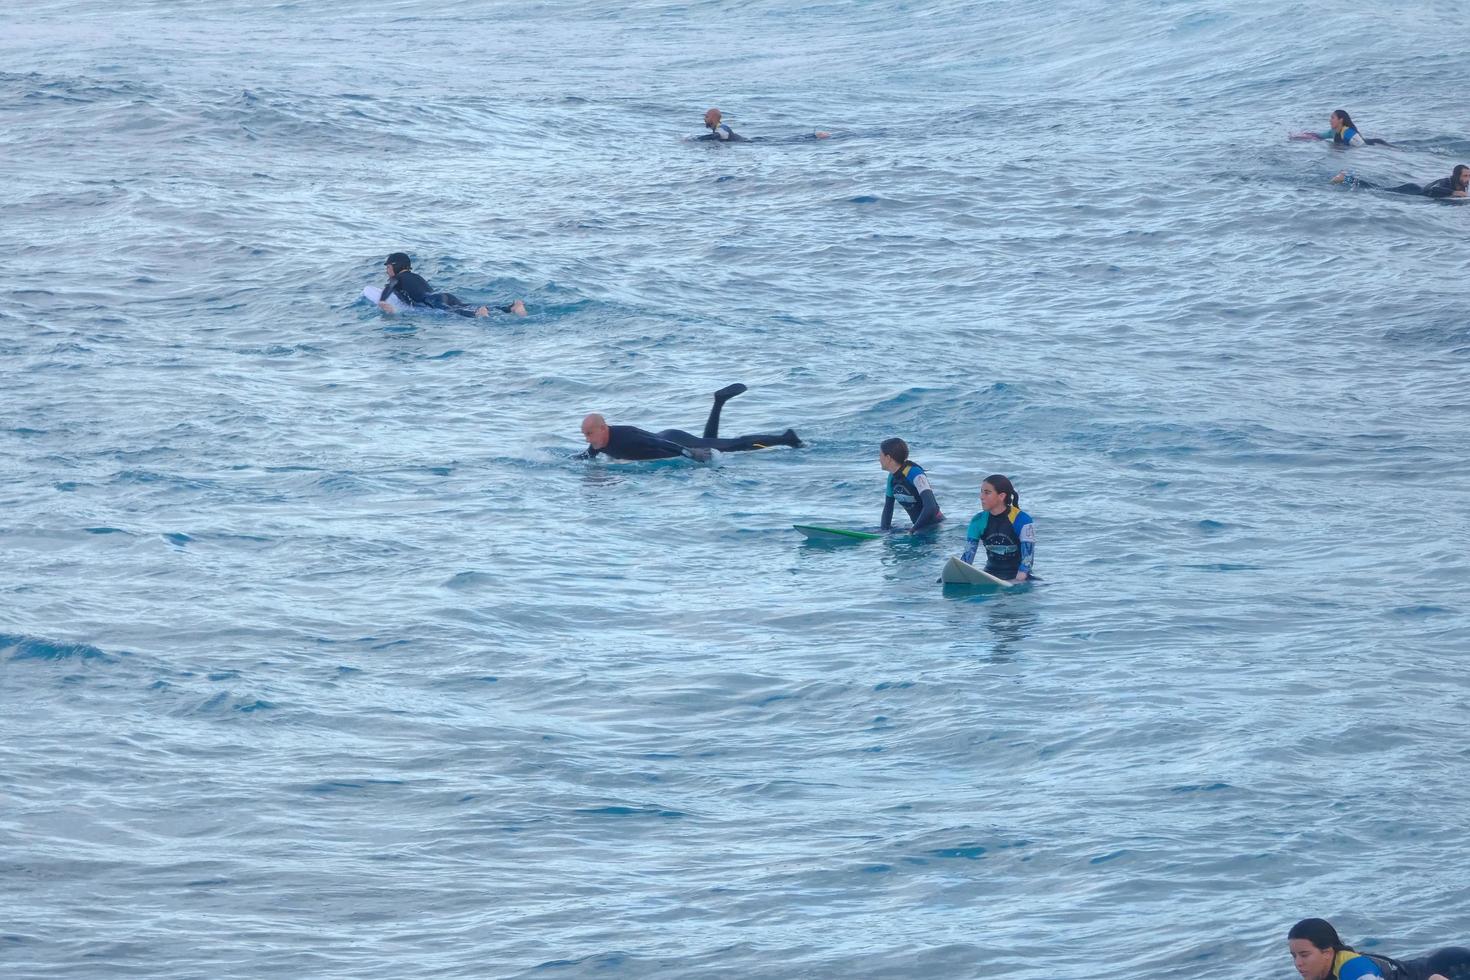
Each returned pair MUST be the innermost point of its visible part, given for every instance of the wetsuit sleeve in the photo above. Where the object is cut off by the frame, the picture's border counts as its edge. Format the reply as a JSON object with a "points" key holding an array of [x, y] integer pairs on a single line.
{"points": [[930, 512], [1357, 140], [1027, 534], [588, 453], [977, 528], [1357, 968], [887, 521]]}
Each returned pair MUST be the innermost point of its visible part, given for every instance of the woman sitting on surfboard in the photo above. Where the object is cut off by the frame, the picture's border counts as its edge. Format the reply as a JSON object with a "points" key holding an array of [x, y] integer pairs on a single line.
{"points": [[1319, 954], [1342, 132], [908, 485], [1004, 530]]}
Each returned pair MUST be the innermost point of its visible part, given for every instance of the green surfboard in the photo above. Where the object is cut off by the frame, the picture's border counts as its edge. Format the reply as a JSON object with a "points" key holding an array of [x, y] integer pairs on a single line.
{"points": [[834, 534]]}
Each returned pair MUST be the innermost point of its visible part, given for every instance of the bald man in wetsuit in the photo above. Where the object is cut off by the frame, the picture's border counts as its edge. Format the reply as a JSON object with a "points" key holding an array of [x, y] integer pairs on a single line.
{"points": [[630, 442], [724, 134]]}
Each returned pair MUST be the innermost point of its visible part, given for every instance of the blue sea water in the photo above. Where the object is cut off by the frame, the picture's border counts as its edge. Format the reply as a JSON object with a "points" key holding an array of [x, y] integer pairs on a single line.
{"points": [[319, 656]]}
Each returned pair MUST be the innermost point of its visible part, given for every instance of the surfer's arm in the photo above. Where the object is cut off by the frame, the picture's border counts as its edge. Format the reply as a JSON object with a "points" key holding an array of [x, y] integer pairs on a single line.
{"points": [[929, 514], [1028, 550], [972, 546], [887, 522]]}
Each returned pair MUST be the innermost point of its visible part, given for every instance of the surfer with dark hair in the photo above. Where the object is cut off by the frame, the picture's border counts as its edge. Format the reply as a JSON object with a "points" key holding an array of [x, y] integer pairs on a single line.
{"points": [[1005, 531], [907, 485], [1341, 131], [1318, 953], [719, 132], [1457, 184], [630, 442], [412, 289]]}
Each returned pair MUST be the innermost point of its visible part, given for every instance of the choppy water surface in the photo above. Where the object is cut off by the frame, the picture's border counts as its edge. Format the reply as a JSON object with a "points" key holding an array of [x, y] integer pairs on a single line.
{"points": [[319, 657]]}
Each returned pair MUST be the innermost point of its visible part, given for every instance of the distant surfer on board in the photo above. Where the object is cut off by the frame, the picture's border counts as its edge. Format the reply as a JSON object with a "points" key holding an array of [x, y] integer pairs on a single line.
{"points": [[907, 485], [719, 132], [629, 442], [1003, 530], [412, 289], [1341, 131], [1457, 184]]}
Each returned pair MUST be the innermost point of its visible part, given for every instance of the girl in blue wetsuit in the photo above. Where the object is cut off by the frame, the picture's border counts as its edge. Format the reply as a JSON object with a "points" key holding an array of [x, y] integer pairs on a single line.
{"points": [[1342, 132], [907, 485], [1004, 530], [1318, 953]]}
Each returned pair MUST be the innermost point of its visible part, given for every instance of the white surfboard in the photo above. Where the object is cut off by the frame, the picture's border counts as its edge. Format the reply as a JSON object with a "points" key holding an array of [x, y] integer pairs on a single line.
{"points": [[371, 294], [957, 571]]}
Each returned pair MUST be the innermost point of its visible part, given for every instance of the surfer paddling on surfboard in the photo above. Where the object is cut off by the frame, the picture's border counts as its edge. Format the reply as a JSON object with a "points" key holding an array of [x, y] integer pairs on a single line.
{"points": [[1003, 530], [629, 442], [908, 485], [411, 289]]}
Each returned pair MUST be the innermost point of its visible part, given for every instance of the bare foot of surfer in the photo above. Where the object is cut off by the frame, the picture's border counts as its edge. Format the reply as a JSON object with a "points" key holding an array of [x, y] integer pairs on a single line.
{"points": [[483, 311], [518, 308]]}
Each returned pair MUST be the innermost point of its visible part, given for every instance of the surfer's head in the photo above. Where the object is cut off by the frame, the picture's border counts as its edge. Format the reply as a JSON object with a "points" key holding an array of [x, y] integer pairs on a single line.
{"points": [[398, 262], [711, 118], [1460, 179], [1314, 944], [892, 454], [594, 429], [997, 494], [1340, 119]]}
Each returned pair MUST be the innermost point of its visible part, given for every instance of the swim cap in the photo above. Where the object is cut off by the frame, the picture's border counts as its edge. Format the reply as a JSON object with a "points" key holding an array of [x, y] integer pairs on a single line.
{"points": [[399, 261]]}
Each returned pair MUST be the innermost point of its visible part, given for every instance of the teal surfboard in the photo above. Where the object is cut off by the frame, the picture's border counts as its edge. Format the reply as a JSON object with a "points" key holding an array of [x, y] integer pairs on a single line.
{"points": [[834, 534], [957, 571]]}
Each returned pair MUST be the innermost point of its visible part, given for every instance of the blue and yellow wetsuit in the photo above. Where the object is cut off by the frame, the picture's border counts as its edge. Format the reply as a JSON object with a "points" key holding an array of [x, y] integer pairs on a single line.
{"points": [[1451, 961], [1346, 136], [1009, 541], [910, 487]]}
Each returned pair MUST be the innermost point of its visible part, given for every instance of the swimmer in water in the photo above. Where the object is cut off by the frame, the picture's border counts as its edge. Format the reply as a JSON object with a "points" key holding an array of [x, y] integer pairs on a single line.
{"points": [[1319, 954], [413, 289], [1457, 184], [909, 486], [1005, 532], [629, 442], [720, 132], [1341, 131]]}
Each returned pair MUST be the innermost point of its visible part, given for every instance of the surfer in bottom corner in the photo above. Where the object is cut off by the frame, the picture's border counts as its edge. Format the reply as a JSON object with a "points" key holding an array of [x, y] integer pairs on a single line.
{"points": [[1005, 532]]}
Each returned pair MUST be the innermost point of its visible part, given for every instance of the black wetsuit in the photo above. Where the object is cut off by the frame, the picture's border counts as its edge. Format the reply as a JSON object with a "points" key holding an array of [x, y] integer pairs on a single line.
{"points": [[910, 487], [1444, 187], [414, 290], [1451, 961], [630, 442], [722, 133]]}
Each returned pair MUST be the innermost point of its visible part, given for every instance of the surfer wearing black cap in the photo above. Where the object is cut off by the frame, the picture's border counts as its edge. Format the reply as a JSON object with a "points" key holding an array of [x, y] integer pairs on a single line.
{"points": [[630, 442], [411, 288]]}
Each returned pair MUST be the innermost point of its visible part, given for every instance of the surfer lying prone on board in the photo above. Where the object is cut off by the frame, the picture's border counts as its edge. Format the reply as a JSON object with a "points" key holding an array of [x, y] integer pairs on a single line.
{"points": [[1004, 530], [1318, 953], [1341, 131], [413, 290], [718, 131], [629, 442], [1457, 184], [908, 485]]}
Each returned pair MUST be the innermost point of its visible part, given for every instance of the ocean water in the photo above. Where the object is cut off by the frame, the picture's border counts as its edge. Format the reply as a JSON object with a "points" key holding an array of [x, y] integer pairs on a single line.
{"points": [[320, 657]]}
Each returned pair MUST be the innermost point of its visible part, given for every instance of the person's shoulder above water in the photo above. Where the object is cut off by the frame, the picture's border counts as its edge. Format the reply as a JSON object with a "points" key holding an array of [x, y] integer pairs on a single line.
{"points": [[719, 132]]}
